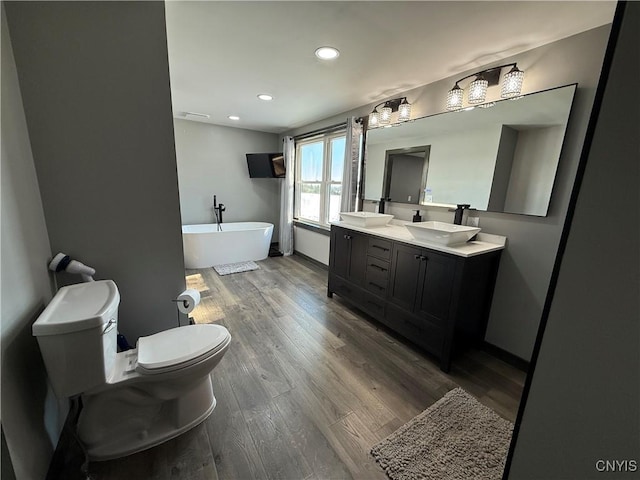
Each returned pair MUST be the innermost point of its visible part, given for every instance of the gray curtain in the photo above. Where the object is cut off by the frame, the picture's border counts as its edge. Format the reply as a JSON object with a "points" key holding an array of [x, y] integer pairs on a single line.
{"points": [[285, 242], [351, 180]]}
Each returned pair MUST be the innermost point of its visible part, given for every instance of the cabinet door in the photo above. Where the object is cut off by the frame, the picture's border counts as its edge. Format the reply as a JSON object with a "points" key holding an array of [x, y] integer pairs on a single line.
{"points": [[435, 291], [357, 257], [340, 252], [348, 254], [406, 266]]}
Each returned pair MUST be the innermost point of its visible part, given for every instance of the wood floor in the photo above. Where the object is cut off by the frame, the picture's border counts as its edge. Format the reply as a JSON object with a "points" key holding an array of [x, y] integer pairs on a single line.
{"points": [[308, 384]]}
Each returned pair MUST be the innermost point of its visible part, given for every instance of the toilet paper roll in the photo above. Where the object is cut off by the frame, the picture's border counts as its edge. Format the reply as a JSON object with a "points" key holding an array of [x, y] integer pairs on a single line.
{"points": [[188, 300]]}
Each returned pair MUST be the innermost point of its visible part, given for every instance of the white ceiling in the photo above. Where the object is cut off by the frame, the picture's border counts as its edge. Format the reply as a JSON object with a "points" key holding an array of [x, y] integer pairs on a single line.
{"points": [[223, 54]]}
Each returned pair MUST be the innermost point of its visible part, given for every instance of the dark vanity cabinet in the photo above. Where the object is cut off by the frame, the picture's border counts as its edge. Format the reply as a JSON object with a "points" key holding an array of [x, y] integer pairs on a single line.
{"points": [[439, 301]]}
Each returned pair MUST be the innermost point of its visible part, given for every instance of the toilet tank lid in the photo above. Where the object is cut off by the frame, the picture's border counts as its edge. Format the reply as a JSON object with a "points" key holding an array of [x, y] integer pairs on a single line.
{"points": [[78, 307]]}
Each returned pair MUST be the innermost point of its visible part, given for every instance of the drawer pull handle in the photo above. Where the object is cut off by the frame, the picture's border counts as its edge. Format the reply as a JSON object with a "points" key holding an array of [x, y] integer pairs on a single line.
{"points": [[374, 304], [384, 249], [378, 267], [420, 257], [348, 237], [376, 285]]}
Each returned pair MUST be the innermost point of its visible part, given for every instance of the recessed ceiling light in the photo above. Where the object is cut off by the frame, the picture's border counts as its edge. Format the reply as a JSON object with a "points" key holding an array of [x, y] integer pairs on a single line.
{"points": [[233, 117], [327, 53], [266, 97]]}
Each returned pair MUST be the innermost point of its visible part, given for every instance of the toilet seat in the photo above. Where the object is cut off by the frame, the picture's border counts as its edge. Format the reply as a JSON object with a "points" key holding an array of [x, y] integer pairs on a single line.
{"points": [[179, 347]]}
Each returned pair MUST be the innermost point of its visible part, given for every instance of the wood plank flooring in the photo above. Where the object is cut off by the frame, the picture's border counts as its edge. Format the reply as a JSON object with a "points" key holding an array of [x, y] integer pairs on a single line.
{"points": [[308, 384]]}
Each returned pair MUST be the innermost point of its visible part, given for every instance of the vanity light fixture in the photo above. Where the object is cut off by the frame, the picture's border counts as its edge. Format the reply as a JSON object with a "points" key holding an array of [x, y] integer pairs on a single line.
{"points": [[404, 111], [233, 117], [382, 113], [512, 83], [385, 115], [511, 86], [265, 96], [478, 90], [454, 98], [374, 119]]}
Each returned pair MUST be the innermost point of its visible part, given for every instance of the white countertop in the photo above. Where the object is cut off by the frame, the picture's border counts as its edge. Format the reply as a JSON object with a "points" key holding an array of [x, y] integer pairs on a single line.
{"points": [[395, 230]]}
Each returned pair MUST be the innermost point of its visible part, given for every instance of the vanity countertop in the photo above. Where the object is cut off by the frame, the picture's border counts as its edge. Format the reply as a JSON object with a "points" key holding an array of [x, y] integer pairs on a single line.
{"points": [[395, 230]]}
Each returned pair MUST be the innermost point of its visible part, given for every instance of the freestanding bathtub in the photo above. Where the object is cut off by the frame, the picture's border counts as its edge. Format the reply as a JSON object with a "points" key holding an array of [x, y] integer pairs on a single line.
{"points": [[205, 246]]}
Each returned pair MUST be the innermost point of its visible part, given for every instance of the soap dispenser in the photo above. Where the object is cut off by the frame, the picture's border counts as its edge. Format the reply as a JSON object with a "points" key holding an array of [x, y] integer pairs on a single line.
{"points": [[417, 218]]}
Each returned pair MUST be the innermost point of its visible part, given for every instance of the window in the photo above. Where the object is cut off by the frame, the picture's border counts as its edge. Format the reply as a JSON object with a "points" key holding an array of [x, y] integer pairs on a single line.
{"points": [[320, 164]]}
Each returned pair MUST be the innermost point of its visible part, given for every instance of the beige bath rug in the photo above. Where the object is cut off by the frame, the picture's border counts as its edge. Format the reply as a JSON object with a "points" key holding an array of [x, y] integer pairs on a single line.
{"points": [[239, 267], [456, 438]]}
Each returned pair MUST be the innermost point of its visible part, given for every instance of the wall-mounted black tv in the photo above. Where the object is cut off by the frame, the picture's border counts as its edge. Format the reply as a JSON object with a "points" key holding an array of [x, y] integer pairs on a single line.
{"points": [[266, 165]]}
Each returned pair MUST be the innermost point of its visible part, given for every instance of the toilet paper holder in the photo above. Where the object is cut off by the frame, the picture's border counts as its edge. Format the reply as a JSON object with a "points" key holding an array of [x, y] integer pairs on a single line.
{"points": [[186, 302]]}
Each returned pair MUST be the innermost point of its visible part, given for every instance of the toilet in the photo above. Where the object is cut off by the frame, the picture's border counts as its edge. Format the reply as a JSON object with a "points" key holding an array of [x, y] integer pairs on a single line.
{"points": [[132, 400]]}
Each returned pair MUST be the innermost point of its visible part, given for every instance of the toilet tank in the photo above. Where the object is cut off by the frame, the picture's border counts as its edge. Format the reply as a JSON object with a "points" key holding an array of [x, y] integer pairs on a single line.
{"points": [[78, 335]]}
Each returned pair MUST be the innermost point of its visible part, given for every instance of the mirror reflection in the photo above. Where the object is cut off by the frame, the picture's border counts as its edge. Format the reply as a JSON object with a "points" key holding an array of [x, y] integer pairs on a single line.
{"points": [[405, 174], [499, 159]]}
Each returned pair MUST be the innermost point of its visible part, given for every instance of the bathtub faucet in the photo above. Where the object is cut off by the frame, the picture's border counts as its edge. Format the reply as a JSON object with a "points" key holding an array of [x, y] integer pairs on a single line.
{"points": [[217, 210]]}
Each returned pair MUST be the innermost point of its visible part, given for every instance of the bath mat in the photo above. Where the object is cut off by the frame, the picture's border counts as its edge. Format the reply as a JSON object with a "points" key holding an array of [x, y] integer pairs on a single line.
{"points": [[236, 267], [455, 438]]}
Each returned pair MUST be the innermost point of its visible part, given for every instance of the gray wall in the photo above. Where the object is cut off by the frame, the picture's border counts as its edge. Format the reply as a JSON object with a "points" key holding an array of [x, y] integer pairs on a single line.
{"points": [[584, 402], [406, 177], [533, 169], [526, 264], [31, 418], [211, 160], [95, 87]]}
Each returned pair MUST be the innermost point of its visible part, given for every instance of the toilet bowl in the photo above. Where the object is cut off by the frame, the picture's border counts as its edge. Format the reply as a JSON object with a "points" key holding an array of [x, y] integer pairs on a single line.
{"points": [[132, 400]]}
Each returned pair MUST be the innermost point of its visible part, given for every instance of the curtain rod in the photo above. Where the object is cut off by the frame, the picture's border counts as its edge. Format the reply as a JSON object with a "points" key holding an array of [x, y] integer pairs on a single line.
{"points": [[319, 131]]}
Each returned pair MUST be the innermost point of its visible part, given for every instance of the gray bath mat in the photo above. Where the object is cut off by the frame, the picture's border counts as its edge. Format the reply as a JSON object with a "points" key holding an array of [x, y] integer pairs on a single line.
{"points": [[236, 267], [455, 438]]}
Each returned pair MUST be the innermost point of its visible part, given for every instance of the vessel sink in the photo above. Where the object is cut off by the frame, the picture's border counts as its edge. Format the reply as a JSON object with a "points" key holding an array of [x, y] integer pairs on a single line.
{"points": [[441, 233], [366, 219]]}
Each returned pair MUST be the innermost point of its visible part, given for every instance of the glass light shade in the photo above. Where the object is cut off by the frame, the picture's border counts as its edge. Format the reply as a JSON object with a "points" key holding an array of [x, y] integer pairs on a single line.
{"points": [[512, 83], [454, 98], [374, 120], [385, 115], [404, 111], [478, 90]]}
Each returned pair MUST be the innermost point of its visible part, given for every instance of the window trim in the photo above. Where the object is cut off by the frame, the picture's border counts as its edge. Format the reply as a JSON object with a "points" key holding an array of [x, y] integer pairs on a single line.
{"points": [[325, 183]]}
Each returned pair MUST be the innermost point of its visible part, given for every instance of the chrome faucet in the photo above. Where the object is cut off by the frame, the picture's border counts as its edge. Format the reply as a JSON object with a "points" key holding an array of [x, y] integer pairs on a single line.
{"points": [[217, 210]]}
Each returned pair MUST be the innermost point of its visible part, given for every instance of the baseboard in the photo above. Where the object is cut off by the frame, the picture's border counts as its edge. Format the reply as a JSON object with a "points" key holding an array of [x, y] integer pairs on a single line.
{"points": [[505, 356], [312, 260]]}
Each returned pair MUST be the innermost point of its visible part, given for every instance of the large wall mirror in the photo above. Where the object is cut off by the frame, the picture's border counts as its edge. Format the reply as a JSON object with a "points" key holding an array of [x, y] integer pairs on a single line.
{"points": [[499, 159]]}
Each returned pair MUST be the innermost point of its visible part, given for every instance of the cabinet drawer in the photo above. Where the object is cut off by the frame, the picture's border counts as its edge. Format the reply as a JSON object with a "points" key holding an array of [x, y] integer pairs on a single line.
{"points": [[373, 304], [379, 248], [420, 331], [344, 288], [377, 277]]}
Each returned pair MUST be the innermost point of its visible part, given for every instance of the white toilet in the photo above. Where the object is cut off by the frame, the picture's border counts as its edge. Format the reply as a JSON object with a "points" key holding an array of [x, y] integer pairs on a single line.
{"points": [[135, 399]]}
